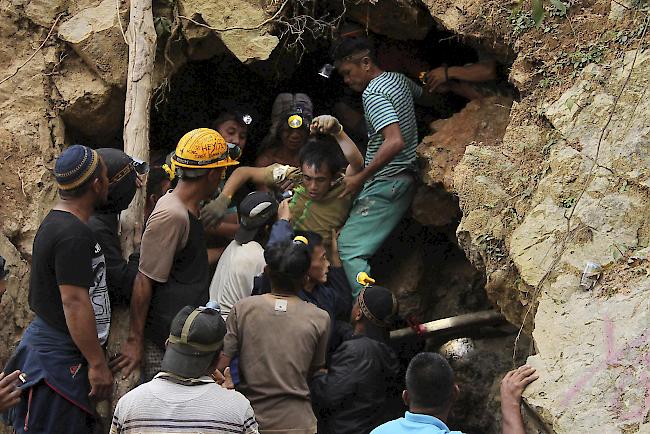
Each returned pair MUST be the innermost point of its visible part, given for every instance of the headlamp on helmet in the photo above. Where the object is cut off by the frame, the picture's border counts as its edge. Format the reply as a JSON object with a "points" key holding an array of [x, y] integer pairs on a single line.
{"points": [[296, 118]]}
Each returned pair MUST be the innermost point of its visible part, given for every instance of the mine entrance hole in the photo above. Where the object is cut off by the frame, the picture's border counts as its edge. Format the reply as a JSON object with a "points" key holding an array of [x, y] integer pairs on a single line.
{"points": [[423, 264], [200, 90]]}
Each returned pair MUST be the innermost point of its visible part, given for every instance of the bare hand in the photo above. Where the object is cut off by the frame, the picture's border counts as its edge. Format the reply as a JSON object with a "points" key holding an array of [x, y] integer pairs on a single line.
{"points": [[9, 392], [139, 180], [129, 358], [228, 384], [325, 124], [514, 383], [353, 185], [284, 213], [435, 78], [101, 382]]}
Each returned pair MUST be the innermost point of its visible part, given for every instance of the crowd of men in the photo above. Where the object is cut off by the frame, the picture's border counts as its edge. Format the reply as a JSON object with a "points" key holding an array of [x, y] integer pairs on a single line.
{"points": [[287, 335]]}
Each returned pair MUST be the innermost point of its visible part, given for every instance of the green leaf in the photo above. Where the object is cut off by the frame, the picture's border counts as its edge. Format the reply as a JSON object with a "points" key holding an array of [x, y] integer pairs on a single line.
{"points": [[538, 12], [560, 6]]}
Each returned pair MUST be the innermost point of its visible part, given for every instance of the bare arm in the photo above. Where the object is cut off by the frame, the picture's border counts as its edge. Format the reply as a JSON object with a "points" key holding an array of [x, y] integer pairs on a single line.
{"points": [[512, 386], [393, 144], [132, 349], [142, 291], [80, 318], [477, 72], [241, 176], [226, 228], [224, 362], [351, 152], [440, 78]]}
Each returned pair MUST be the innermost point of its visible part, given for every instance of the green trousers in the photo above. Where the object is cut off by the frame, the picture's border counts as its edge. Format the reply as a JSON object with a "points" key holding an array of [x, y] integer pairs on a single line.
{"points": [[375, 213]]}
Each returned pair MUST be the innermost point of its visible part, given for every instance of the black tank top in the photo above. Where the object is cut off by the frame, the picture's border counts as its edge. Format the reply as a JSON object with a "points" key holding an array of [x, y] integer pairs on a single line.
{"points": [[188, 284]]}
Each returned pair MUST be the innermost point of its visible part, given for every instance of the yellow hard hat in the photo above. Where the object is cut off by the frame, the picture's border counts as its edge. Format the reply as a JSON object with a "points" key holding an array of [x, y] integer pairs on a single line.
{"points": [[204, 148]]}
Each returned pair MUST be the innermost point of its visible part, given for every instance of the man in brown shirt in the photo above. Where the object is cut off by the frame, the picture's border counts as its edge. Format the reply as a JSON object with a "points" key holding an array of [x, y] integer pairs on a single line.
{"points": [[280, 340], [173, 270]]}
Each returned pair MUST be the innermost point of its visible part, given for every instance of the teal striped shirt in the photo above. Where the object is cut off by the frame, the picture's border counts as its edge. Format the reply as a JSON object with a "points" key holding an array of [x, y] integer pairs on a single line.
{"points": [[387, 99]]}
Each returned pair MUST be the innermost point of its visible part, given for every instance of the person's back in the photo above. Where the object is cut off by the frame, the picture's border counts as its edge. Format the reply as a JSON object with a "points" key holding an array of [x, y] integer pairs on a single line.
{"points": [[236, 269], [243, 259], [370, 367], [429, 395], [162, 406], [280, 338], [351, 395], [185, 397], [184, 276]]}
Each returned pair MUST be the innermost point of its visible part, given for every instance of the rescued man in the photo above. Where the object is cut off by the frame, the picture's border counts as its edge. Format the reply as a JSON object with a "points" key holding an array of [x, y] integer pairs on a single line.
{"points": [[317, 205], [173, 270], [185, 397], [61, 351], [384, 189]]}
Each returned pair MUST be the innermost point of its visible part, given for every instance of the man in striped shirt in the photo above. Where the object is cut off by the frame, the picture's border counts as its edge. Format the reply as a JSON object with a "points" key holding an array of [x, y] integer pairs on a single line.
{"points": [[385, 186], [184, 397]]}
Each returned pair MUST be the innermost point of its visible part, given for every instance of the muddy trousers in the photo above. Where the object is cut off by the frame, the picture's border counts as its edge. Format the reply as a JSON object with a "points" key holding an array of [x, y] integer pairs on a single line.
{"points": [[375, 213]]}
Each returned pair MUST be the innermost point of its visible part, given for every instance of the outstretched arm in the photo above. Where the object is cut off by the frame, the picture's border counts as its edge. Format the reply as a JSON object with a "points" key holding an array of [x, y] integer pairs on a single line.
{"points": [[241, 176], [477, 72], [213, 212]]}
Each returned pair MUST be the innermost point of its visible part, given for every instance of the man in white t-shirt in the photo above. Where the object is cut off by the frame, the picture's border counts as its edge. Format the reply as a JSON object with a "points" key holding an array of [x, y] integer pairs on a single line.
{"points": [[243, 259], [184, 397]]}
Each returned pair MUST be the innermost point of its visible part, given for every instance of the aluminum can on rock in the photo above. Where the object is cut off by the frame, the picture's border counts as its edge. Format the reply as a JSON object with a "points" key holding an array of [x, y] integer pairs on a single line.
{"points": [[590, 275]]}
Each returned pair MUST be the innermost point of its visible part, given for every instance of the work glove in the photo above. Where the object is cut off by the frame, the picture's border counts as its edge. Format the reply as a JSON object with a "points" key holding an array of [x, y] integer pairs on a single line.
{"points": [[326, 124], [213, 211]]}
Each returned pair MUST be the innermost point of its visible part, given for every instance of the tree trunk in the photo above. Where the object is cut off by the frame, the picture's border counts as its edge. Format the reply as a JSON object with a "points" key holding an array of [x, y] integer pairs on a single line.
{"points": [[142, 54], [141, 36]]}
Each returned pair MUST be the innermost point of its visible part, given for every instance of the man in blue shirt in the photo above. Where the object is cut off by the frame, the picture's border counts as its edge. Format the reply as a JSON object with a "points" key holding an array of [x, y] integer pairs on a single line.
{"points": [[431, 391]]}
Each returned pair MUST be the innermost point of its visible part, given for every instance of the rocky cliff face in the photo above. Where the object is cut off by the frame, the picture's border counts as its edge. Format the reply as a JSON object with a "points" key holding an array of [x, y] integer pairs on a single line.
{"points": [[568, 185], [559, 178]]}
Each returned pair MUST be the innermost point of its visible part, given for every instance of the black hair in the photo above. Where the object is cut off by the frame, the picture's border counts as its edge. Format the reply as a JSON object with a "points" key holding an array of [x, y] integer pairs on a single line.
{"points": [[287, 263], [155, 180], [351, 46], [77, 192], [313, 240], [429, 381], [322, 150], [229, 116]]}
